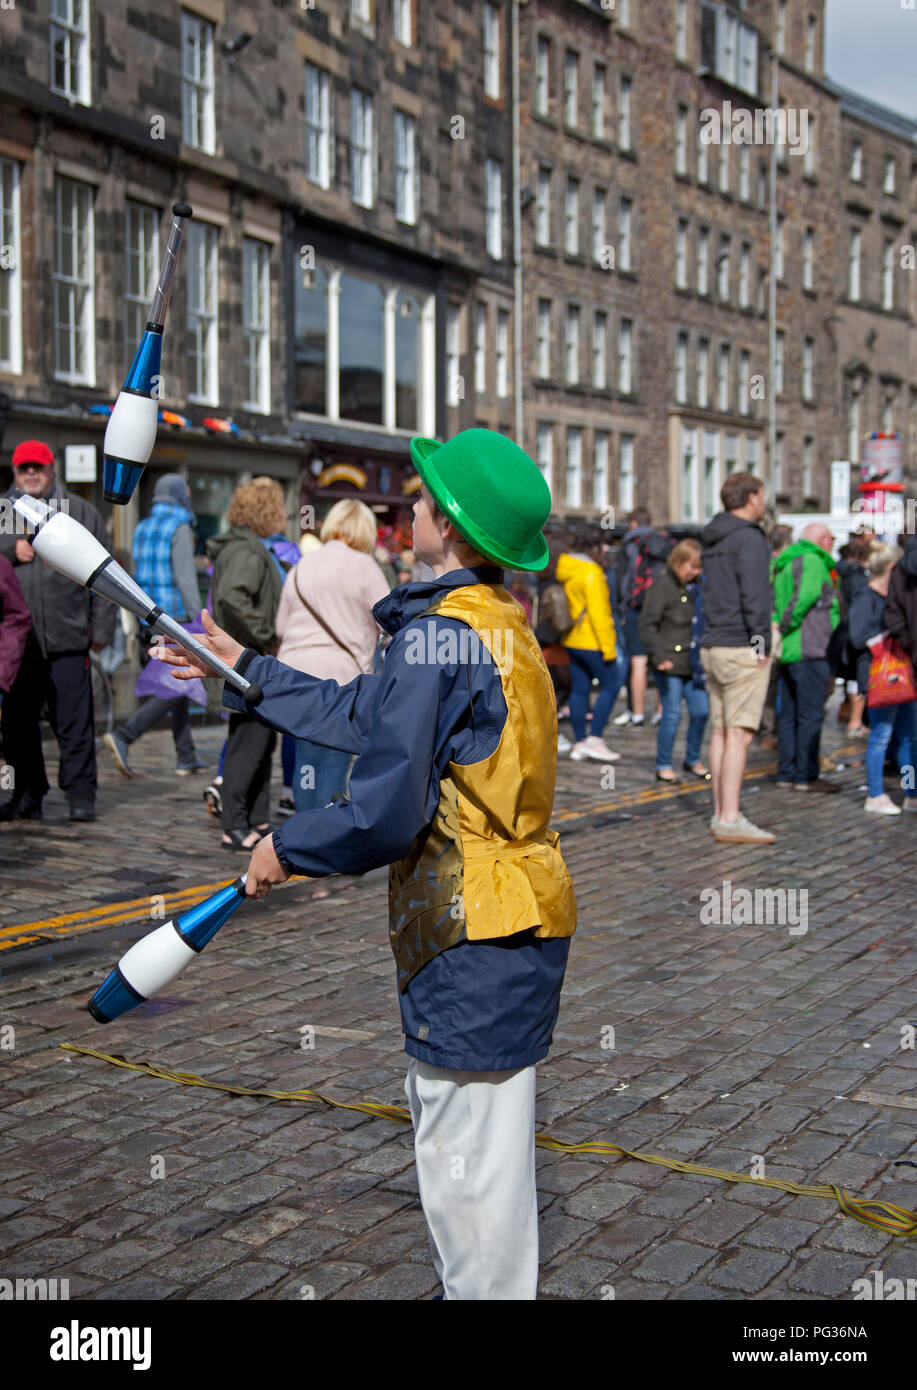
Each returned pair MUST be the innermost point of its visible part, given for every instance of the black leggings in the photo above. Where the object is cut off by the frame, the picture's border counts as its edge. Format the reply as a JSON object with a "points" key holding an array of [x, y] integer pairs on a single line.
{"points": [[246, 792]]}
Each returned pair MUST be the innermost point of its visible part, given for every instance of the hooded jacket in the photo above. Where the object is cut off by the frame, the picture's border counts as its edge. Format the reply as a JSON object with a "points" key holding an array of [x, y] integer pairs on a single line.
{"points": [[453, 787], [66, 617], [247, 585], [806, 603], [15, 625], [164, 550], [737, 591], [590, 605]]}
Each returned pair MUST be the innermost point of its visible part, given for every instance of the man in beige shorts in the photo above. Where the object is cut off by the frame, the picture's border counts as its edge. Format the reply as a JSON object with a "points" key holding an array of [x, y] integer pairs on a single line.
{"points": [[735, 648]]}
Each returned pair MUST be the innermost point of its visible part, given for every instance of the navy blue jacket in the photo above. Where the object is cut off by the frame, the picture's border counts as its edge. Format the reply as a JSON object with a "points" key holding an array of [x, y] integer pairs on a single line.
{"points": [[479, 1006]]}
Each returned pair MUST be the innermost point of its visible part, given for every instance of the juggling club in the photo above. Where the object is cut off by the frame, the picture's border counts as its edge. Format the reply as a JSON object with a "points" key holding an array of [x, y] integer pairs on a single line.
{"points": [[64, 544], [157, 959], [131, 430]]}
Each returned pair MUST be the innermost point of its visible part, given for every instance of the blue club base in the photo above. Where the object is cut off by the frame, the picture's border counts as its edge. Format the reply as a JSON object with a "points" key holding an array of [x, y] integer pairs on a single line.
{"points": [[113, 999], [119, 479]]}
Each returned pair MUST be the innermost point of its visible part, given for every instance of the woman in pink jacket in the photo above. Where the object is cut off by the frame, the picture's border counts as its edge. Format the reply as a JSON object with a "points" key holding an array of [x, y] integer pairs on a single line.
{"points": [[327, 629]]}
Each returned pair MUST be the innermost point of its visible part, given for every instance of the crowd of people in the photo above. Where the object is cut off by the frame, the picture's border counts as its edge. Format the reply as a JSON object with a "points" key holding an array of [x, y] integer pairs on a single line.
{"points": [[308, 603], [438, 767], [747, 631], [742, 629]]}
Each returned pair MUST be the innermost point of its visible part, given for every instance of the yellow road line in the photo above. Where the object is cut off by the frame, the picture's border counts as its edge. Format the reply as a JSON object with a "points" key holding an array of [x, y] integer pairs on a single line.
{"points": [[656, 793], [109, 915], [112, 914], [659, 792]]}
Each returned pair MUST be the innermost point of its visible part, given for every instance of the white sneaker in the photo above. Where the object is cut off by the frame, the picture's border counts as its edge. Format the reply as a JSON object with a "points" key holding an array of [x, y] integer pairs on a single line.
{"points": [[586, 750], [881, 805], [563, 744], [657, 717], [637, 721], [714, 822], [742, 832], [599, 750]]}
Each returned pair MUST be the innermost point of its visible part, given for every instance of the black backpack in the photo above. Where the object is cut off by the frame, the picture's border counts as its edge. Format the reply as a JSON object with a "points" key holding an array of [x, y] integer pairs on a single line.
{"points": [[652, 552]]}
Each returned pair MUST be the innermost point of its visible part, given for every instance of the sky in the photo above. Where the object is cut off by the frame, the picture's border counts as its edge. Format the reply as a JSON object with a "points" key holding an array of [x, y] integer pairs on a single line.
{"points": [[871, 47]]}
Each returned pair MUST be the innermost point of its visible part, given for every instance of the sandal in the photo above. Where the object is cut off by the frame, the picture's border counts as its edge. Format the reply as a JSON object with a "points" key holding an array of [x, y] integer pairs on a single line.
{"points": [[698, 770], [235, 840]]}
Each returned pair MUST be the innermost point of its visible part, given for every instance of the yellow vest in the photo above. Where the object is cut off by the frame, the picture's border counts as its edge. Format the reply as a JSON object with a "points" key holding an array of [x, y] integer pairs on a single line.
{"points": [[487, 866]]}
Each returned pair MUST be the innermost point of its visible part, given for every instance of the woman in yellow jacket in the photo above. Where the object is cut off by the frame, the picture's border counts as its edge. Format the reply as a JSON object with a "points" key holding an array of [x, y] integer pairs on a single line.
{"points": [[592, 647]]}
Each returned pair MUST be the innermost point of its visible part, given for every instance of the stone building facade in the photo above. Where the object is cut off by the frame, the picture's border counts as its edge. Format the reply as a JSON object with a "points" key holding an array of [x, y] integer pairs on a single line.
{"points": [[695, 282], [339, 207], [360, 243]]}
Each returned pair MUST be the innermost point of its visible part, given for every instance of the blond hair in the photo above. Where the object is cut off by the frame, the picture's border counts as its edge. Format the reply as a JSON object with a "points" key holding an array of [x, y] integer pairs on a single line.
{"points": [[882, 555], [258, 505], [352, 522], [688, 549]]}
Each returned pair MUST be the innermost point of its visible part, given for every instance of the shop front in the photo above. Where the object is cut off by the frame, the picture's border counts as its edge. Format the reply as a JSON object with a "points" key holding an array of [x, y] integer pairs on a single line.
{"points": [[375, 468]]}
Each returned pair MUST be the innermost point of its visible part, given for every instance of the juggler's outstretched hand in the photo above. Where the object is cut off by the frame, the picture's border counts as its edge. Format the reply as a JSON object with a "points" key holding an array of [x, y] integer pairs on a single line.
{"points": [[213, 638], [264, 869]]}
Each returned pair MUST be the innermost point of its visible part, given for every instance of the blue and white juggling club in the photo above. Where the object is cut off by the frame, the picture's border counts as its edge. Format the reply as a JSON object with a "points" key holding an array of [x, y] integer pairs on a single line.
{"points": [[131, 430], [157, 959], [68, 547]]}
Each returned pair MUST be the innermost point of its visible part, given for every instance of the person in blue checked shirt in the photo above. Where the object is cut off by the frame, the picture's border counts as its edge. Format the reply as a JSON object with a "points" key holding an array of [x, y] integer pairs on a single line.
{"points": [[453, 787]]}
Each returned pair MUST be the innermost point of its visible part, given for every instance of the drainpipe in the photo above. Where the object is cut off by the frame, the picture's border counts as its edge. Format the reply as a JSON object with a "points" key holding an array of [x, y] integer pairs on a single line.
{"points": [[517, 232]]}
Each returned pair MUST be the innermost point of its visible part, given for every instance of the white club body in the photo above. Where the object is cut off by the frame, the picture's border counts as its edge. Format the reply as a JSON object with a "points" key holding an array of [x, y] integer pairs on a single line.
{"points": [[68, 547], [154, 961], [131, 429]]}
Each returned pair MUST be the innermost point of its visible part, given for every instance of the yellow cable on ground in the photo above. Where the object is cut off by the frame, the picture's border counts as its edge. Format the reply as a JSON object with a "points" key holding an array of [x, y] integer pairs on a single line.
{"points": [[883, 1216]]}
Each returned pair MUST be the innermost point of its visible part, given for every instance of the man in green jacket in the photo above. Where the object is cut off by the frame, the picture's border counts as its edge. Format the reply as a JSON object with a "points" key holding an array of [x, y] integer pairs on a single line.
{"points": [[807, 611]]}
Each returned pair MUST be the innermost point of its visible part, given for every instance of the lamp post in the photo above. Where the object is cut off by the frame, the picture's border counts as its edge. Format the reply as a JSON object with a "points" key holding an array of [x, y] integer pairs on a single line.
{"points": [[772, 297]]}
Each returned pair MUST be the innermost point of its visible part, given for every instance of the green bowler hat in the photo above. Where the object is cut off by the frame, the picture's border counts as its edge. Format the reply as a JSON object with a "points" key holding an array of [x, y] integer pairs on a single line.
{"points": [[491, 491]]}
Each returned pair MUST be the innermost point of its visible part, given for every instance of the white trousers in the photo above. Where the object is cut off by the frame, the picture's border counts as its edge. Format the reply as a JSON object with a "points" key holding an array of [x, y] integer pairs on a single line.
{"points": [[474, 1142]]}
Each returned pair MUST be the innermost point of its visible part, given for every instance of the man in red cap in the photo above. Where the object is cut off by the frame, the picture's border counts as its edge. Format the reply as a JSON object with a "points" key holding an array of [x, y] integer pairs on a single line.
{"points": [[66, 621]]}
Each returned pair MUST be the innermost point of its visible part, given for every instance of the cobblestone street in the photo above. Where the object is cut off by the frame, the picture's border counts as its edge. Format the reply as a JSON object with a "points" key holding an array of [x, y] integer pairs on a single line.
{"points": [[781, 1046]]}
